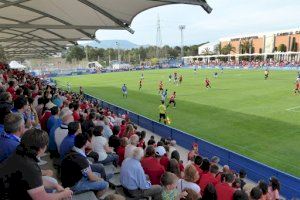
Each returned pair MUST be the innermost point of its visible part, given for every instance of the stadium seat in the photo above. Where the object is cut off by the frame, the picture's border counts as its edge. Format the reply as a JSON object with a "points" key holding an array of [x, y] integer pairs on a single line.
{"points": [[85, 196], [120, 191]]}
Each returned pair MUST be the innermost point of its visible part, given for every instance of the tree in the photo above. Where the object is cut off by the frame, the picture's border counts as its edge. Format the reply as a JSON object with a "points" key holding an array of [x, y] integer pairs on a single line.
{"points": [[281, 48], [75, 52], [246, 46], [207, 52], [294, 45], [227, 49]]}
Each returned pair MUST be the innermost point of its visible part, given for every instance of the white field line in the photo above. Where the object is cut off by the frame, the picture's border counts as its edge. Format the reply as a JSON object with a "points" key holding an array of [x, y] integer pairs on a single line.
{"points": [[293, 109]]}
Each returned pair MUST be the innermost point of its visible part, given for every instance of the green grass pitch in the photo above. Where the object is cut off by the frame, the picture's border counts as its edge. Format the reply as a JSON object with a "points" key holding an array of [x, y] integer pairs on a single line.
{"points": [[242, 112]]}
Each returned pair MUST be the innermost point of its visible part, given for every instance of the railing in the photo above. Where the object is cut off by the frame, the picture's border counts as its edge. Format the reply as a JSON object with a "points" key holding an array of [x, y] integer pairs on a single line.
{"points": [[290, 185]]}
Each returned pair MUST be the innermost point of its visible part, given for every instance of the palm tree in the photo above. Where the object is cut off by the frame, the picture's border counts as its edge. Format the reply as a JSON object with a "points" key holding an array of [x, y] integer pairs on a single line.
{"points": [[246, 46], [227, 49]]}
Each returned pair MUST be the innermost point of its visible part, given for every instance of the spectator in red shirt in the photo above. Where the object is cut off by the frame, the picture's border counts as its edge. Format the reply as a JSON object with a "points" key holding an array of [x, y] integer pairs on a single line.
{"points": [[122, 128], [142, 140], [121, 149], [164, 160], [151, 165], [175, 154], [129, 131], [224, 190], [76, 112], [208, 177], [84, 105], [197, 164], [11, 89]]}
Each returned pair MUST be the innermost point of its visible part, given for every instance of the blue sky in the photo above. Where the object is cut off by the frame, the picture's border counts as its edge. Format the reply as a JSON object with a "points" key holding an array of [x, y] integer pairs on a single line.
{"points": [[228, 18]]}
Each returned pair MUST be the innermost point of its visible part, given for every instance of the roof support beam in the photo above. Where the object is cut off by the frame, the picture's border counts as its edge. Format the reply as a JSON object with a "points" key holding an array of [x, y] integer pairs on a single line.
{"points": [[53, 17], [26, 22], [41, 26], [23, 34], [201, 3], [41, 39], [24, 46], [125, 25], [7, 4], [30, 51]]}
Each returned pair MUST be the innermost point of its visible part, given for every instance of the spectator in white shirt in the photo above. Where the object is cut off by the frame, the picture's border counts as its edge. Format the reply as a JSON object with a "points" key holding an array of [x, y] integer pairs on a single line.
{"points": [[61, 132], [133, 141], [100, 145]]}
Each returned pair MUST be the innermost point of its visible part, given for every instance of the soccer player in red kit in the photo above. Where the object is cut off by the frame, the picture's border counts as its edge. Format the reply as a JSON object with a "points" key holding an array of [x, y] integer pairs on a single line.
{"points": [[207, 83], [172, 100]]}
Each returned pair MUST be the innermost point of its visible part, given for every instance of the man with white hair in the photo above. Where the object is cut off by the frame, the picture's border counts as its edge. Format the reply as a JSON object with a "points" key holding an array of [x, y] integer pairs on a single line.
{"points": [[133, 141], [133, 178], [66, 115]]}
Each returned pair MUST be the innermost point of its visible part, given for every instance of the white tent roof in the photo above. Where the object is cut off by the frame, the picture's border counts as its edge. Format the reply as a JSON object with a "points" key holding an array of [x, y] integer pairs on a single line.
{"points": [[47, 26], [15, 65]]}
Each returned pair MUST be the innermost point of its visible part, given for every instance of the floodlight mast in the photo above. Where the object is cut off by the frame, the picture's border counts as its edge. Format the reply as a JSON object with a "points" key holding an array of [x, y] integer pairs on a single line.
{"points": [[181, 28]]}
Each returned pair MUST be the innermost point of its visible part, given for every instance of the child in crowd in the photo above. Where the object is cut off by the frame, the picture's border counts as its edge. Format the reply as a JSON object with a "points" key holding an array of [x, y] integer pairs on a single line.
{"points": [[274, 188], [169, 182], [194, 152], [242, 176], [264, 188], [142, 140], [151, 141]]}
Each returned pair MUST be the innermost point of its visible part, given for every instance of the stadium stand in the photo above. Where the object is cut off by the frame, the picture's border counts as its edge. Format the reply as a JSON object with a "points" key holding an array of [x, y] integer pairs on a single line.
{"points": [[81, 169]]}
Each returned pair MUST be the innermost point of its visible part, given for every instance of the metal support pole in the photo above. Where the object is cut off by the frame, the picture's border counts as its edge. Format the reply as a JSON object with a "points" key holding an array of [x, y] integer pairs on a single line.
{"points": [[181, 28]]}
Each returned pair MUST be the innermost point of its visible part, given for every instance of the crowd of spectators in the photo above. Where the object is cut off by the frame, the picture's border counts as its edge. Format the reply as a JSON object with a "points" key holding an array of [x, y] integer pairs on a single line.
{"points": [[83, 137], [245, 63]]}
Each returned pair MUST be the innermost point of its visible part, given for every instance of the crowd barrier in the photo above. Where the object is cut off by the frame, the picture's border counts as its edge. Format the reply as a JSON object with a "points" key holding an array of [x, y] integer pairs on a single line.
{"points": [[290, 185]]}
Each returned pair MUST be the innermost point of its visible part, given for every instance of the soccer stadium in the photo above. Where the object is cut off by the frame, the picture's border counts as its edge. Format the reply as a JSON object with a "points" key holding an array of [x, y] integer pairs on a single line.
{"points": [[128, 99]]}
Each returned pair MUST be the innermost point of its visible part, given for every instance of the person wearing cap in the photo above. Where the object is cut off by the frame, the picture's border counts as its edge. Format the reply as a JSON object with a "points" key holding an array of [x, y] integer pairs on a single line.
{"points": [[164, 160], [61, 132], [151, 164]]}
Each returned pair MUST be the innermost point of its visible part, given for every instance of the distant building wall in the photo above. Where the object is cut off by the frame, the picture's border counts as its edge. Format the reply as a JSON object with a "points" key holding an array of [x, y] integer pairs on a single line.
{"points": [[266, 42], [282, 39], [236, 45], [258, 44]]}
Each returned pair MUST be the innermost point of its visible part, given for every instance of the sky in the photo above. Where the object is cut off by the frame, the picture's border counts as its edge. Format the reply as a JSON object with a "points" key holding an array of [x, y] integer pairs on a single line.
{"points": [[228, 18]]}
